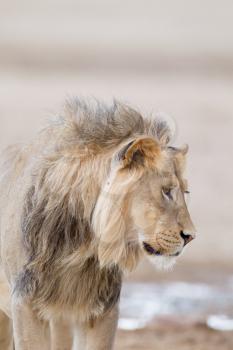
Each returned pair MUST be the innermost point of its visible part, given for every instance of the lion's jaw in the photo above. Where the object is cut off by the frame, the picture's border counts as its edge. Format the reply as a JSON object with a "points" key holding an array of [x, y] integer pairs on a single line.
{"points": [[161, 262]]}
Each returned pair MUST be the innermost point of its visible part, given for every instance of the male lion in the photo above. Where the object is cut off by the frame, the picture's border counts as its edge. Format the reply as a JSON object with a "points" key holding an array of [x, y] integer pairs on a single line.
{"points": [[80, 205]]}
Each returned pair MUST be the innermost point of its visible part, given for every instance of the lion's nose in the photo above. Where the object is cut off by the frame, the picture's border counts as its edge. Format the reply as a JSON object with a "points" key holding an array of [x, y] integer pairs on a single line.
{"points": [[186, 237]]}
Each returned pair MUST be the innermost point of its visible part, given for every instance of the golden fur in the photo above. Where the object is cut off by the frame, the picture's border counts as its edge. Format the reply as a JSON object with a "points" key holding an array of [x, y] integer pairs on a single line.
{"points": [[82, 203]]}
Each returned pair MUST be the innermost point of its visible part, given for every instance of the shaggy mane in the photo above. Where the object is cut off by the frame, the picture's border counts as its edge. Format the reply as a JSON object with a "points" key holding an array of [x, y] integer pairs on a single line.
{"points": [[105, 126]]}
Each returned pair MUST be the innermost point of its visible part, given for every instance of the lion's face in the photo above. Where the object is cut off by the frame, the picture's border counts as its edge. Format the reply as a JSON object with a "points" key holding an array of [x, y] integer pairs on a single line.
{"points": [[159, 212], [142, 208]]}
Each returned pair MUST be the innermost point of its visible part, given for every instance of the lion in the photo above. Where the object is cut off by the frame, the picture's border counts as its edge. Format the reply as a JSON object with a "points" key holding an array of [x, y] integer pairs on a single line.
{"points": [[98, 189]]}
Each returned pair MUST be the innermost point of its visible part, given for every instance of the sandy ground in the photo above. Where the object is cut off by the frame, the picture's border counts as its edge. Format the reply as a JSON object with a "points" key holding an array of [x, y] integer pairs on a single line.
{"points": [[170, 335]]}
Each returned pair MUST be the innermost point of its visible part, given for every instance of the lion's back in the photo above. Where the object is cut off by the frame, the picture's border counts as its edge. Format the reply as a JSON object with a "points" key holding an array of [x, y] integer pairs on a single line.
{"points": [[13, 183]]}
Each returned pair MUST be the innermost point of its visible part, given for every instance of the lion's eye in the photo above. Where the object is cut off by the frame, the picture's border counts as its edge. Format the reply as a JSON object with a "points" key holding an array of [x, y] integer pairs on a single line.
{"points": [[167, 192]]}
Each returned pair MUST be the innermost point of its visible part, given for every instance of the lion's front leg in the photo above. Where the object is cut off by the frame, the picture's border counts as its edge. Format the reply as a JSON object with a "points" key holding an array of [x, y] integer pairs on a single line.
{"points": [[6, 338], [29, 332], [61, 335], [101, 335]]}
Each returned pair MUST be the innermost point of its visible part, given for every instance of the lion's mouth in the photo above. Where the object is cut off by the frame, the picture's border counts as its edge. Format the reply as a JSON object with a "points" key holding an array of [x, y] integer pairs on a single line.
{"points": [[150, 250]]}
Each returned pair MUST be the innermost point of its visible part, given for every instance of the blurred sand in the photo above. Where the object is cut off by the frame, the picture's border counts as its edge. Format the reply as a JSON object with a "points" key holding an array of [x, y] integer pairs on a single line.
{"points": [[172, 334], [176, 335]]}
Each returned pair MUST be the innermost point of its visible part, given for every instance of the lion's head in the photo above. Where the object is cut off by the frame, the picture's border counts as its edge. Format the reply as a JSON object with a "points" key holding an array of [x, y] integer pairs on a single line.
{"points": [[141, 208], [142, 205]]}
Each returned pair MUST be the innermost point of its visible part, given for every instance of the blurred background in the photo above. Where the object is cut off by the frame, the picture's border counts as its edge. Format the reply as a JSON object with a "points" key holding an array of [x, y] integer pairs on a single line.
{"points": [[160, 56]]}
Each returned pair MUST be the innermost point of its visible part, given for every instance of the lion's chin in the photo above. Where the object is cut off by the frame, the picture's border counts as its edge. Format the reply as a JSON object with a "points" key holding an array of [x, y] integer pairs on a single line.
{"points": [[163, 262]]}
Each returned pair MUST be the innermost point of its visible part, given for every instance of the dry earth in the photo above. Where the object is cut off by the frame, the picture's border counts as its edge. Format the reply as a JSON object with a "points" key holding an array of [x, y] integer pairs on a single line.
{"points": [[174, 336]]}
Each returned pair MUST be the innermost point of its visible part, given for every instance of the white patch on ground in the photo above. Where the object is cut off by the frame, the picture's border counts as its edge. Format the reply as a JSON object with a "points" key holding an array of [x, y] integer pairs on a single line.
{"points": [[220, 322], [130, 324], [143, 302]]}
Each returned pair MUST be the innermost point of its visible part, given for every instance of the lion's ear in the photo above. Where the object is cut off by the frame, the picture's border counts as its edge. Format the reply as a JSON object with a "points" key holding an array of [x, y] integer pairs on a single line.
{"points": [[140, 151]]}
